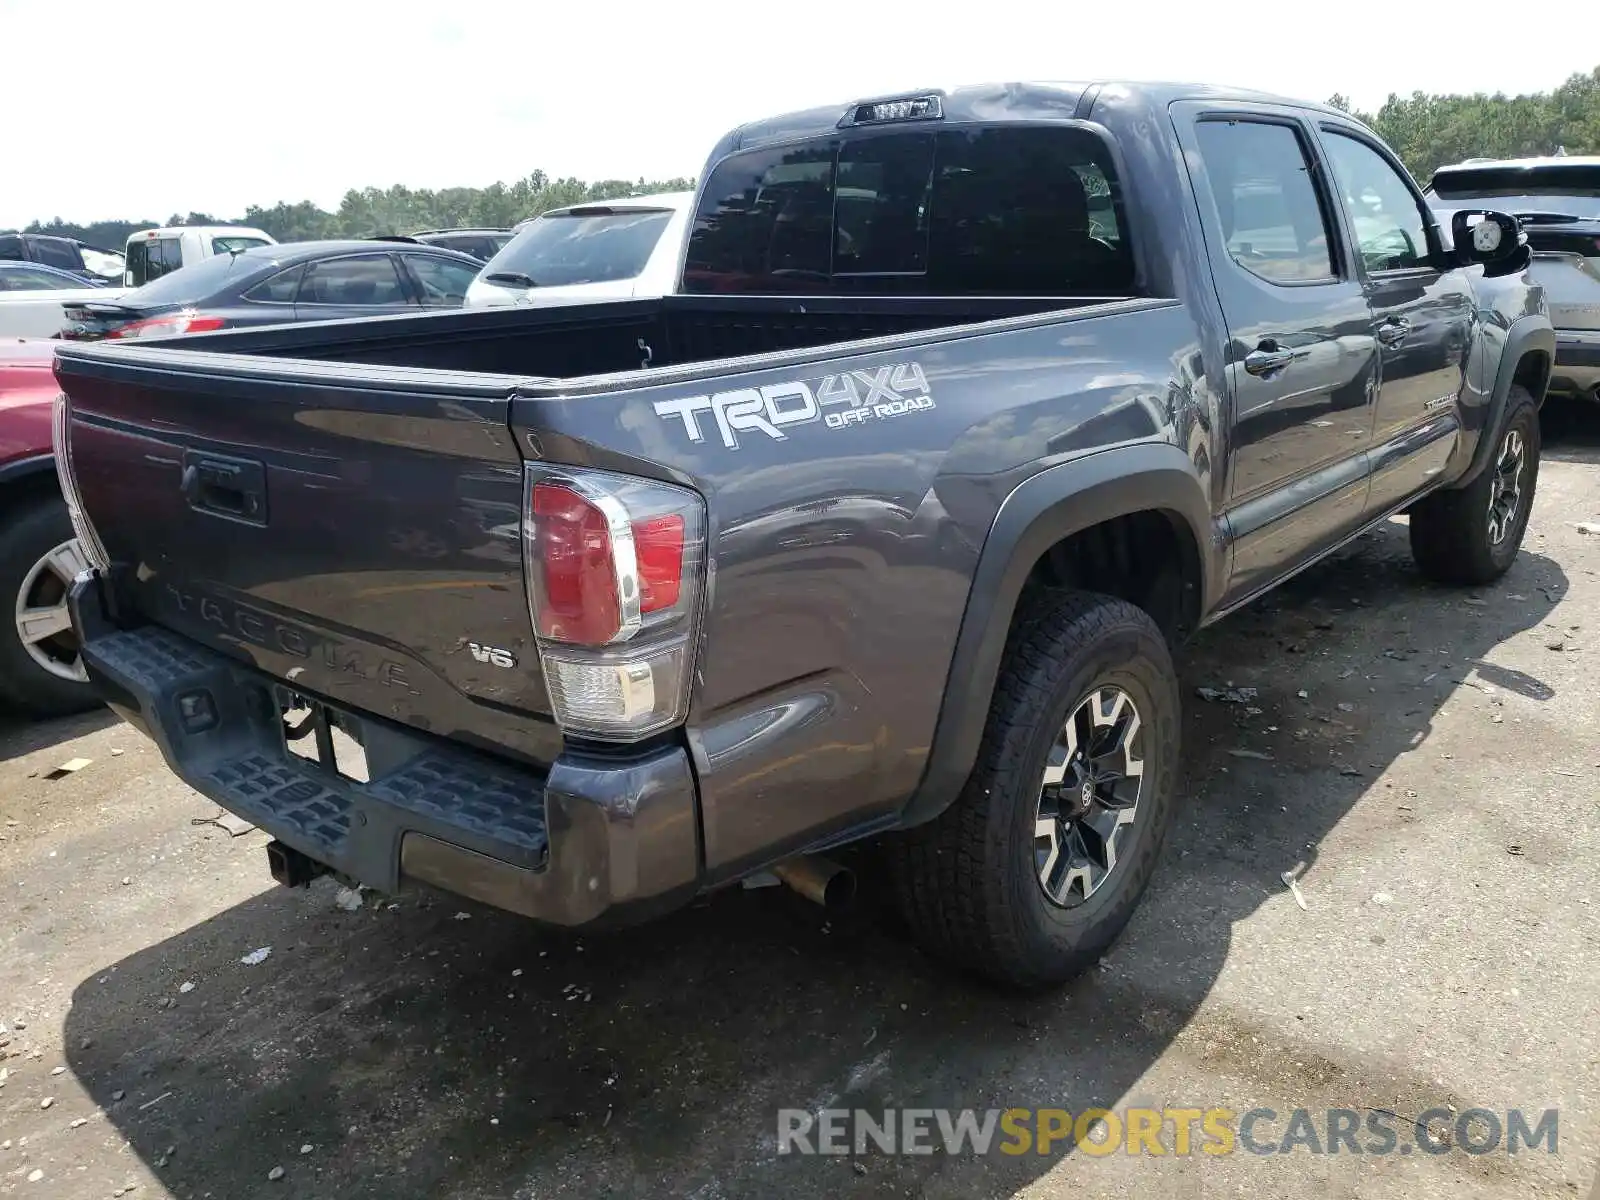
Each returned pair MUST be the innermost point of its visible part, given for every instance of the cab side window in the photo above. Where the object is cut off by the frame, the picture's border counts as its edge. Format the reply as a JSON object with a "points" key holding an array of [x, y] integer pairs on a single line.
{"points": [[1384, 212]]}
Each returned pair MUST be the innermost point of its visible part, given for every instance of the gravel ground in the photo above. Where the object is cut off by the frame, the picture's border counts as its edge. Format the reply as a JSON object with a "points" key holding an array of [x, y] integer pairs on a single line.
{"points": [[1424, 762]]}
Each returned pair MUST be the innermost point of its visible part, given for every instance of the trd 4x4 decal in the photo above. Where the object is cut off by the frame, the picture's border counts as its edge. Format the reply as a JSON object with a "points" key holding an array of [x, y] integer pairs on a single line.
{"points": [[838, 401]]}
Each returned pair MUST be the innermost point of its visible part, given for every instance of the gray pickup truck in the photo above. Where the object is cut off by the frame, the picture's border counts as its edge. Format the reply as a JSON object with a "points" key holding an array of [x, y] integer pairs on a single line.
{"points": [[971, 405]]}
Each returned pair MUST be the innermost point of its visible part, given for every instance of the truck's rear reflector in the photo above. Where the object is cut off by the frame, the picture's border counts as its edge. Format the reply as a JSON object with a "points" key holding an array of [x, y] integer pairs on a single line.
{"points": [[613, 566]]}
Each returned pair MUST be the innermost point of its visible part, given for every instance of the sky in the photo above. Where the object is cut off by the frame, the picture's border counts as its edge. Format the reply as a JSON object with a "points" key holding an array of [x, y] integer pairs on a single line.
{"points": [[209, 108]]}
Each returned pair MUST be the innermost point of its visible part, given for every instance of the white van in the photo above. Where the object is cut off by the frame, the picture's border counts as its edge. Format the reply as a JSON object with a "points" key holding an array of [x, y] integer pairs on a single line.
{"points": [[605, 250], [153, 253]]}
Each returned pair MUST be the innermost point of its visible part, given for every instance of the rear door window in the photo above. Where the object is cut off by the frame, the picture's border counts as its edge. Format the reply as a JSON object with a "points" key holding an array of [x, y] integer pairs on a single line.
{"points": [[356, 281], [279, 289], [963, 211], [1260, 176], [10, 247]]}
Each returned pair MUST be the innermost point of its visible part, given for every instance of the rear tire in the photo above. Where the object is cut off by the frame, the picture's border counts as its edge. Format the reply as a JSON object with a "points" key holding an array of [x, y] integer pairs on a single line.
{"points": [[973, 883], [38, 556], [1471, 535]]}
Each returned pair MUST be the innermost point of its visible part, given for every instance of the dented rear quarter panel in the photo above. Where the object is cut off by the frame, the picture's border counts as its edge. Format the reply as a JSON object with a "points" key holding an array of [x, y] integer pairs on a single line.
{"points": [[846, 522]]}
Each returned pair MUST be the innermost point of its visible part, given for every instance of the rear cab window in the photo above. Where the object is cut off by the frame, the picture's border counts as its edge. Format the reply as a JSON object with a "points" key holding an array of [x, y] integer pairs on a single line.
{"points": [[1017, 209], [151, 258], [199, 282], [592, 244]]}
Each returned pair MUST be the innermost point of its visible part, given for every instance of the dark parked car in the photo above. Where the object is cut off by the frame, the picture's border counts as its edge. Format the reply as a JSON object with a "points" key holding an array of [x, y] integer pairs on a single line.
{"points": [[883, 526], [272, 285], [98, 266], [482, 244]]}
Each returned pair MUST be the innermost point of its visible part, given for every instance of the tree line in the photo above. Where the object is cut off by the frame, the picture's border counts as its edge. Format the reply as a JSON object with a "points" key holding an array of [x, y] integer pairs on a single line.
{"points": [[371, 211], [1427, 131]]}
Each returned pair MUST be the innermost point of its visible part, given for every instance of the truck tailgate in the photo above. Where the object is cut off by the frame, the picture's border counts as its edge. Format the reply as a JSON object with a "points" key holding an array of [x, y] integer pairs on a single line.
{"points": [[355, 531]]}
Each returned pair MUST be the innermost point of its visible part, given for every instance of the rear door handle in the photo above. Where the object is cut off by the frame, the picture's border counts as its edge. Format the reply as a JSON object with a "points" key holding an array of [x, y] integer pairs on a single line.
{"points": [[1267, 359], [1394, 331]]}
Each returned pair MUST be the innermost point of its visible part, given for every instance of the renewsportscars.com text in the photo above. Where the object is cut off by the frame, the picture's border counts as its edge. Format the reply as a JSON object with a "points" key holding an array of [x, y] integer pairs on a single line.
{"points": [[1165, 1131]]}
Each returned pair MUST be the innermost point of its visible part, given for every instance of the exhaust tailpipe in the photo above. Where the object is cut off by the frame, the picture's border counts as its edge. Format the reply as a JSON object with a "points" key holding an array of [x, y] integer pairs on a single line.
{"points": [[819, 881]]}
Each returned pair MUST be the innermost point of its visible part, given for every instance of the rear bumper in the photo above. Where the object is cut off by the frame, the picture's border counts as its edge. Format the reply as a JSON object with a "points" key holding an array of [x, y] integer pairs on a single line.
{"points": [[1577, 368], [595, 839]]}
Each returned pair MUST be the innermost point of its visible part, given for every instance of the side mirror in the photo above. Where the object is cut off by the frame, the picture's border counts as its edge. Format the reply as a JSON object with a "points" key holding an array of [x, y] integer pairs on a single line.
{"points": [[1485, 237]]}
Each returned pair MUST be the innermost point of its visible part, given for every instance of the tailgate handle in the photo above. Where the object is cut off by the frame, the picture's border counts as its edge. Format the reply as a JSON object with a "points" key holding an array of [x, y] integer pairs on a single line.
{"points": [[225, 487]]}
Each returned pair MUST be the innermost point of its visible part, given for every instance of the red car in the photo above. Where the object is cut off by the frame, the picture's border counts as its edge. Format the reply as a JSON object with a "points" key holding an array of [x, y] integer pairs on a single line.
{"points": [[39, 667]]}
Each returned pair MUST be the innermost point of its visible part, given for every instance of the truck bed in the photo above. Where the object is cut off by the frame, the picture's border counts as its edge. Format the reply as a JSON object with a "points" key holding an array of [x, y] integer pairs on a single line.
{"points": [[340, 504], [610, 338]]}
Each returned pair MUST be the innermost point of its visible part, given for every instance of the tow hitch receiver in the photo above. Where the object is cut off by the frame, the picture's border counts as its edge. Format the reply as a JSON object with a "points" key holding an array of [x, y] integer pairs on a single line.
{"points": [[290, 867]]}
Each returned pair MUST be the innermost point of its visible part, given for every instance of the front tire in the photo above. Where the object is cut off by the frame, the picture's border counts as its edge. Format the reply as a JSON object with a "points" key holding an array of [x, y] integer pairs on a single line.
{"points": [[40, 670], [1471, 535], [1038, 865]]}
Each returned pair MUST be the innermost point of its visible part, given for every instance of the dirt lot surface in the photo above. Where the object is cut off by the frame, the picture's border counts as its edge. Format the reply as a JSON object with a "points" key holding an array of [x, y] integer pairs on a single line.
{"points": [[1425, 763]]}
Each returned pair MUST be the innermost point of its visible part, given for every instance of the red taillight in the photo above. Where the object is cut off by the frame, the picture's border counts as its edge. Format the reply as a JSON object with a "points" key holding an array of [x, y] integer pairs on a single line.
{"points": [[658, 545], [590, 591], [572, 542], [168, 326], [614, 568]]}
